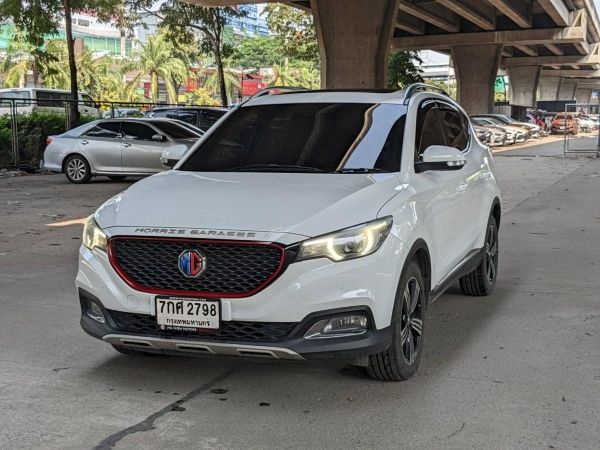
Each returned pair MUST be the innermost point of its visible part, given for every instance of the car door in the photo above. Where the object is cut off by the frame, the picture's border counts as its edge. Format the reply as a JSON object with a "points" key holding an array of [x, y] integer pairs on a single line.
{"points": [[101, 145], [440, 195], [141, 152]]}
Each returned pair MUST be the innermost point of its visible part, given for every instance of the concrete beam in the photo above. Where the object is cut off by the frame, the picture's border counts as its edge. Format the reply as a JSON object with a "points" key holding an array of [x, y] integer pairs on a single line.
{"points": [[557, 11], [519, 12], [583, 94], [410, 24], [354, 41], [548, 88], [554, 49], [531, 51], [524, 82], [475, 88], [429, 14], [477, 12], [591, 59], [539, 36], [566, 90], [579, 73]]}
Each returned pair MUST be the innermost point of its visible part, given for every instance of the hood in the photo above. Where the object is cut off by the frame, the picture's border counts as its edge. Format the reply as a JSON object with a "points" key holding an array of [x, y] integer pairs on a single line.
{"points": [[303, 204]]}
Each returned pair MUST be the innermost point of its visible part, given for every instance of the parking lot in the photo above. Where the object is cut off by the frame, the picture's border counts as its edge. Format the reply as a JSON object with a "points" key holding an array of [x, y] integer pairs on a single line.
{"points": [[517, 369]]}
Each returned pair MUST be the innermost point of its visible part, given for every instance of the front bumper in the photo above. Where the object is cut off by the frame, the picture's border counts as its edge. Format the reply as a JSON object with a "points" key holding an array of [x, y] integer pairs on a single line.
{"points": [[290, 344]]}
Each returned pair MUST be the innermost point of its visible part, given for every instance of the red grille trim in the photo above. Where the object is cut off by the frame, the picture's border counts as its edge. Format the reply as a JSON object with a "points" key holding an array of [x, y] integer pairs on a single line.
{"points": [[131, 283]]}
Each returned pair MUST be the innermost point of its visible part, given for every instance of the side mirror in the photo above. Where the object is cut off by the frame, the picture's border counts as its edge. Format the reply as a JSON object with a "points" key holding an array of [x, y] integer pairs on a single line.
{"points": [[159, 137], [440, 157], [171, 155]]}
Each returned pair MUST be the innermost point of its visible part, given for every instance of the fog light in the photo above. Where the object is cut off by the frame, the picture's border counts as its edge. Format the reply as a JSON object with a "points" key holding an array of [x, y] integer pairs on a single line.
{"points": [[341, 326], [93, 311]]}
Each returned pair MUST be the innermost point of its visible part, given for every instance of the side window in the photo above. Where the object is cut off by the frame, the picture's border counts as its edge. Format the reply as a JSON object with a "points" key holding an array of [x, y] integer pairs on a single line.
{"points": [[88, 101], [208, 117], [137, 131], [188, 116], [109, 130], [391, 153], [165, 113], [455, 128], [428, 129]]}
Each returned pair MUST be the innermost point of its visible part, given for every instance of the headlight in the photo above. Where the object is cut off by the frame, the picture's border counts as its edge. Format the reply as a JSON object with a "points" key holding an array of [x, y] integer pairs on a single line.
{"points": [[93, 236], [355, 242]]}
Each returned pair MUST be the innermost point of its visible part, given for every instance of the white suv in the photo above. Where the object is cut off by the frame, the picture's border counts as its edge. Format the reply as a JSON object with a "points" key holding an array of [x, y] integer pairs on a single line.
{"points": [[304, 225]]}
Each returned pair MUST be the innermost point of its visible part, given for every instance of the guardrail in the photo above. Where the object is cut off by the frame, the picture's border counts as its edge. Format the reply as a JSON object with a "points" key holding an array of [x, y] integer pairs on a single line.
{"points": [[25, 124]]}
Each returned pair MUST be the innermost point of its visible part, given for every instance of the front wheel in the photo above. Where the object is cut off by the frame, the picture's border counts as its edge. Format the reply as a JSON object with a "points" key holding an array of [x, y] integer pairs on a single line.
{"points": [[482, 280], [401, 360]]}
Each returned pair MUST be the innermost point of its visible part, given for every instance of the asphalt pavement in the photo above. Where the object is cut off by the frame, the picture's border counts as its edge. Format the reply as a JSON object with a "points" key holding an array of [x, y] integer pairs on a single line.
{"points": [[518, 369]]}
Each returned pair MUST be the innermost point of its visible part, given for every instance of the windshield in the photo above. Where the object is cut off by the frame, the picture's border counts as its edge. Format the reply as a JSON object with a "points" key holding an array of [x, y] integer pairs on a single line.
{"points": [[304, 137], [175, 130], [16, 95]]}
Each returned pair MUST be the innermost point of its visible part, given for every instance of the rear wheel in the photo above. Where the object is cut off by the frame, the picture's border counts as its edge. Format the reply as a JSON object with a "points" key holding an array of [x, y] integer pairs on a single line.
{"points": [[116, 177], [482, 280], [401, 360], [77, 170]]}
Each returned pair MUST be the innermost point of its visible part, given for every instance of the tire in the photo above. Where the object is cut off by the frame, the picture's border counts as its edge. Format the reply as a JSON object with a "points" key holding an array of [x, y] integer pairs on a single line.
{"points": [[401, 360], [481, 281], [77, 170], [116, 177]]}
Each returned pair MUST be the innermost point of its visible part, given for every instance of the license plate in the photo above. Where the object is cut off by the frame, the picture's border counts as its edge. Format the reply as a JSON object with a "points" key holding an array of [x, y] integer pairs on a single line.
{"points": [[177, 313]]}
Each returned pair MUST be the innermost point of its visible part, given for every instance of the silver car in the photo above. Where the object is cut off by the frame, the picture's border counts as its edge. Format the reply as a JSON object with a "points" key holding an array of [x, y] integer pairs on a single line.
{"points": [[115, 148]]}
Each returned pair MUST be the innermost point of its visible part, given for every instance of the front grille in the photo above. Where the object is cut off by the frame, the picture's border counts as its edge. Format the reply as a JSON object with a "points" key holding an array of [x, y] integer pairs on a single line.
{"points": [[233, 268], [231, 330]]}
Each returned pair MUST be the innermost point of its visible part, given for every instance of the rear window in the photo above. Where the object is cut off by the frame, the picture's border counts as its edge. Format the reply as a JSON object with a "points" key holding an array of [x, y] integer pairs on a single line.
{"points": [[321, 136], [174, 130], [563, 117]]}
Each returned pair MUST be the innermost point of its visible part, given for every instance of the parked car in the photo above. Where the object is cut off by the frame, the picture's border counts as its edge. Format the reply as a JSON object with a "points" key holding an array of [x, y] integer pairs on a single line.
{"points": [[305, 225], [586, 124], [28, 100], [513, 134], [114, 147], [122, 112], [203, 117], [502, 119], [483, 134], [565, 123]]}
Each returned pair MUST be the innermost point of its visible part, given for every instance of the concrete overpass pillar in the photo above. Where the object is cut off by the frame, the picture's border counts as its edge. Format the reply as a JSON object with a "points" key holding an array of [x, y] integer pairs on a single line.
{"points": [[524, 82], [566, 90], [476, 67], [583, 95], [354, 41], [548, 89]]}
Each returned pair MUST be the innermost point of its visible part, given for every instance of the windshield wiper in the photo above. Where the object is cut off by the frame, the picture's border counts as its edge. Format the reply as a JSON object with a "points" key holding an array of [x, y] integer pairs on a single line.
{"points": [[361, 170], [273, 168]]}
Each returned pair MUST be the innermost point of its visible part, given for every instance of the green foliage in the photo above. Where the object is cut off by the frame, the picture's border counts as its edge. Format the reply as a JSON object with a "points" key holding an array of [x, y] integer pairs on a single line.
{"points": [[298, 74], [33, 130], [296, 30], [402, 70], [257, 52], [450, 89], [201, 96]]}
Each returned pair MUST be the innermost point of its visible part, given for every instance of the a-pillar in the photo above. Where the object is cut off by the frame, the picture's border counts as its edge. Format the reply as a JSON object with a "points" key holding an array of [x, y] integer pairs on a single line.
{"points": [[548, 89], [476, 67], [583, 95], [524, 82], [354, 41], [566, 91]]}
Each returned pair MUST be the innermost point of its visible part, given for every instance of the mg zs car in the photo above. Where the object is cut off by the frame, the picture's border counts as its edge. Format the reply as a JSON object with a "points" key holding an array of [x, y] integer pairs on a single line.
{"points": [[305, 225]]}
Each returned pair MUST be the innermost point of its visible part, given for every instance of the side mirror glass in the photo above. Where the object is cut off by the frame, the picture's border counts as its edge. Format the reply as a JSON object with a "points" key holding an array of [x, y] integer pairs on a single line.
{"points": [[440, 157], [158, 137], [171, 155]]}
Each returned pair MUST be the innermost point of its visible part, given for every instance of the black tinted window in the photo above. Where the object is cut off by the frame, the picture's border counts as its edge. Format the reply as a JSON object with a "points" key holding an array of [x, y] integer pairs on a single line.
{"points": [[208, 117], [316, 135], [137, 131], [104, 130], [428, 129], [174, 130], [169, 114], [454, 127], [188, 116]]}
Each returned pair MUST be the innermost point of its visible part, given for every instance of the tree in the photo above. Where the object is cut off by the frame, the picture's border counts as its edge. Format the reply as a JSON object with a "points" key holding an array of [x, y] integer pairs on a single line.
{"points": [[402, 70], [39, 18], [257, 52], [230, 78], [298, 74], [20, 58], [296, 29], [156, 59]]}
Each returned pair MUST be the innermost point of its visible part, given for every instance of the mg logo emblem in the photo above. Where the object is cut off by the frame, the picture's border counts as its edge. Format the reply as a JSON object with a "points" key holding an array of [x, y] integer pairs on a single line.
{"points": [[192, 263]]}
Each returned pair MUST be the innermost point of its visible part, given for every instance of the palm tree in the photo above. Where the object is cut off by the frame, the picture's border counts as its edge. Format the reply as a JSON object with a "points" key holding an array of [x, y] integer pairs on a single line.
{"points": [[156, 59], [231, 79], [21, 58]]}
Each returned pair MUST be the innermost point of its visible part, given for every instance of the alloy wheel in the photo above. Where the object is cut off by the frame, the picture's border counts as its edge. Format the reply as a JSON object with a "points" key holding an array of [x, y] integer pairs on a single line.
{"points": [[76, 169], [411, 323], [491, 253]]}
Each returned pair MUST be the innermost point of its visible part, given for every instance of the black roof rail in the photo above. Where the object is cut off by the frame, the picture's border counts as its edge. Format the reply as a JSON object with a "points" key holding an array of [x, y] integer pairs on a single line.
{"points": [[276, 90], [421, 87]]}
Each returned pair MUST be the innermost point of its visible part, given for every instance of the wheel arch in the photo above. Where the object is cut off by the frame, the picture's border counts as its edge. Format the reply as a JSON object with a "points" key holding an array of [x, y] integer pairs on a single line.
{"points": [[496, 211], [66, 158], [419, 252]]}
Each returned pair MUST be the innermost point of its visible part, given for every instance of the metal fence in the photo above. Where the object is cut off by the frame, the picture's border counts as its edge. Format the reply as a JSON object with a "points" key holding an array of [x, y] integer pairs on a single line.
{"points": [[581, 129], [25, 124]]}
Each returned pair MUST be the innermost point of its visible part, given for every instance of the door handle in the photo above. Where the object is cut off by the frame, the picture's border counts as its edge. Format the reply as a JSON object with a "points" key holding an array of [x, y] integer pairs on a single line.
{"points": [[125, 144], [84, 142]]}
